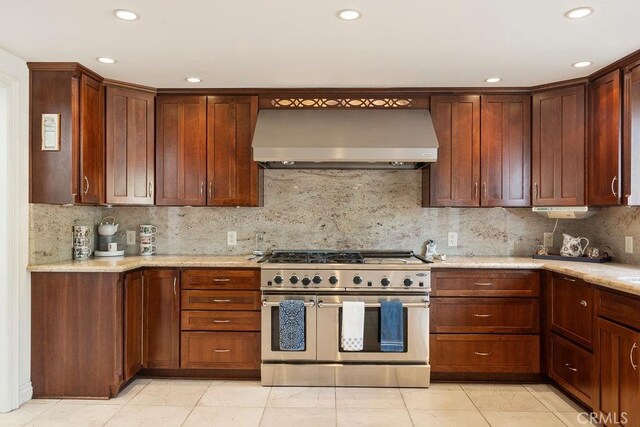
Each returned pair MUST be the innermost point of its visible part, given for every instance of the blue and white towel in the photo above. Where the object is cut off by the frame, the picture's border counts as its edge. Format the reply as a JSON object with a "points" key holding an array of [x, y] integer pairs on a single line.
{"points": [[292, 327], [391, 327], [352, 336]]}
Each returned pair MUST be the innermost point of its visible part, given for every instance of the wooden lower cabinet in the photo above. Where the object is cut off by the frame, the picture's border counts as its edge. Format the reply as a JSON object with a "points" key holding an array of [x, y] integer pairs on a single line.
{"points": [[484, 353], [220, 320], [485, 283], [220, 350], [572, 309], [133, 297], [162, 319], [573, 368]]}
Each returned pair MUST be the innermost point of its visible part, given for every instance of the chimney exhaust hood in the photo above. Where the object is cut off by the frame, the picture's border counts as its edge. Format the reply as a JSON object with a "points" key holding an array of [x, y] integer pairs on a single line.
{"points": [[345, 139]]}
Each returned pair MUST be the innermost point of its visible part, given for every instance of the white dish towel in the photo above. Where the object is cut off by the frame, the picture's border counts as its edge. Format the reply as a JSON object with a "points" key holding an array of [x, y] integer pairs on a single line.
{"points": [[352, 326]]}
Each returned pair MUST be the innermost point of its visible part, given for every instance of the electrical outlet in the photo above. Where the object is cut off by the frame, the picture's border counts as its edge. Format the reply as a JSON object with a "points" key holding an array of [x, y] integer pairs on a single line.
{"points": [[232, 238], [131, 237], [628, 244], [548, 240], [452, 239]]}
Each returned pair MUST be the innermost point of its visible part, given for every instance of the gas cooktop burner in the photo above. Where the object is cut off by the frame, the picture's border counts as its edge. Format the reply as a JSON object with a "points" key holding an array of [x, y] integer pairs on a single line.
{"points": [[316, 257]]}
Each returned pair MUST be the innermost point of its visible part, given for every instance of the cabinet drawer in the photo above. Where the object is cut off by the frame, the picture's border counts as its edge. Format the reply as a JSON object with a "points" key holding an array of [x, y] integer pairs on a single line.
{"points": [[572, 309], [485, 283], [623, 309], [220, 300], [485, 353], [220, 320], [572, 367], [220, 350], [485, 315], [238, 278]]}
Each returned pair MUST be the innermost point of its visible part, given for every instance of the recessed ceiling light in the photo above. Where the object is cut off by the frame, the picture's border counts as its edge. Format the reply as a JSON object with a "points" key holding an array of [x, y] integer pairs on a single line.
{"points": [[349, 14], [579, 12], [106, 60], [126, 15], [193, 79], [493, 80], [582, 64]]}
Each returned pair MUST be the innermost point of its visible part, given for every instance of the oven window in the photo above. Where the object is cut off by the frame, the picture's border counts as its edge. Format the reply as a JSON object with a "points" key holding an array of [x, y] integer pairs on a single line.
{"points": [[275, 330], [372, 330]]}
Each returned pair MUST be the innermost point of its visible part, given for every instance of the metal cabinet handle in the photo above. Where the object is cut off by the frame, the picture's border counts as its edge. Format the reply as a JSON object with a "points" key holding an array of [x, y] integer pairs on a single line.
{"points": [[535, 190], [222, 350], [210, 190], [570, 368], [483, 284], [569, 279], [175, 289], [87, 181], [221, 300], [475, 193], [266, 303], [483, 315], [478, 353], [484, 189], [221, 321], [202, 189], [221, 280], [150, 189], [613, 182], [633, 347], [583, 303]]}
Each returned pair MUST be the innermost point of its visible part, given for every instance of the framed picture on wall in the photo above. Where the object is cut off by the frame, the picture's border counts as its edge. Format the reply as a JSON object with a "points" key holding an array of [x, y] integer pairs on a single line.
{"points": [[51, 132]]}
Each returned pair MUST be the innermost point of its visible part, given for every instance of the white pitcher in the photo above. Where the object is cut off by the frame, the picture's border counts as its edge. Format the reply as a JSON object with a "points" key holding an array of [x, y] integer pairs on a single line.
{"points": [[572, 246]]}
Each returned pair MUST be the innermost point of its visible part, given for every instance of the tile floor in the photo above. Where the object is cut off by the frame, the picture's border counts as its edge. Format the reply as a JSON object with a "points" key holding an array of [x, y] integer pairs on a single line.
{"points": [[161, 403]]}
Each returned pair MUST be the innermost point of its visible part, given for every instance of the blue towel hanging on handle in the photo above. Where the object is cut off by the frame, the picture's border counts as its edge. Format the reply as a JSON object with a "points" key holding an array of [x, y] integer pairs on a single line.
{"points": [[391, 327], [292, 327]]}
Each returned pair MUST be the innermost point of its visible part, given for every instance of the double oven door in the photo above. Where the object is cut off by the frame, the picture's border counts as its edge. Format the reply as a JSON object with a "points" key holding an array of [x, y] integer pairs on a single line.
{"points": [[323, 327]]}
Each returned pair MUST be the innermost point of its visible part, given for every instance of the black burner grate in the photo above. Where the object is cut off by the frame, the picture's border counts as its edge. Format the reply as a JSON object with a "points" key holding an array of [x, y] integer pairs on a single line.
{"points": [[316, 257]]}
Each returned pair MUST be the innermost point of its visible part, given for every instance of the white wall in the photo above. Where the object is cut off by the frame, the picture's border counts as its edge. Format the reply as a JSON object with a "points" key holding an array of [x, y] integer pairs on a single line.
{"points": [[15, 290]]}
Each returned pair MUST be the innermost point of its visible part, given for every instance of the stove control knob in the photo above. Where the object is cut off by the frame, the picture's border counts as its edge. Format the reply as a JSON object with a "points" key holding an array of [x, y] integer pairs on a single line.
{"points": [[408, 281], [278, 280], [306, 281], [357, 280], [294, 279], [333, 280], [317, 280], [385, 282]]}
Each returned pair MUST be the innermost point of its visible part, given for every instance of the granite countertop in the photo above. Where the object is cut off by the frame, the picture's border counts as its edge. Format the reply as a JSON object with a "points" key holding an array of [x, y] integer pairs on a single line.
{"points": [[605, 275]]}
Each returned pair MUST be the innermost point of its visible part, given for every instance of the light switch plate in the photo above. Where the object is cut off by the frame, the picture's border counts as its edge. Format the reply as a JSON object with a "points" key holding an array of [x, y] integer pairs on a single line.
{"points": [[548, 240], [232, 238], [131, 237], [628, 244], [452, 239]]}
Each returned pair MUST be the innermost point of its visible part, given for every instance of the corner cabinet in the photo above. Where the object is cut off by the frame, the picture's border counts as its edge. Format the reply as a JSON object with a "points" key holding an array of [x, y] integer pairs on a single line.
{"points": [[129, 144], [73, 173], [558, 147], [603, 156]]}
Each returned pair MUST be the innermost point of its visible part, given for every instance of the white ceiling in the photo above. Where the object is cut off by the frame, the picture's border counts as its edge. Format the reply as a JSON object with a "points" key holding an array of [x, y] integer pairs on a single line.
{"points": [[300, 43]]}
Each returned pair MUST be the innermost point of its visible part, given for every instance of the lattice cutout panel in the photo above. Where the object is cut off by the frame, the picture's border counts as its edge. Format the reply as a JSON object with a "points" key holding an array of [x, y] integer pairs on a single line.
{"points": [[342, 102]]}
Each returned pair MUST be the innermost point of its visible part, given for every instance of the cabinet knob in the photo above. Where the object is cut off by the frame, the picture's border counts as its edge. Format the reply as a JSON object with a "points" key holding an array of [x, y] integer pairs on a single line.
{"points": [[583, 303]]}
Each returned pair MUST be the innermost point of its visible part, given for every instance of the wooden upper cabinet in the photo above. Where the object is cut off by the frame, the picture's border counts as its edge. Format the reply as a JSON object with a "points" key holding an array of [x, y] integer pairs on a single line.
{"points": [[603, 158], [455, 177], [631, 141], [233, 178], [130, 152], [558, 147], [75, 172], [505, 150], [181, 150], [161, 319]]}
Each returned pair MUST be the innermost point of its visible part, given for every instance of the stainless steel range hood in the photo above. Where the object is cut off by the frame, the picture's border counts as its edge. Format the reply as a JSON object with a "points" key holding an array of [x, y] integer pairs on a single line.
{"points": [[345, 138]]}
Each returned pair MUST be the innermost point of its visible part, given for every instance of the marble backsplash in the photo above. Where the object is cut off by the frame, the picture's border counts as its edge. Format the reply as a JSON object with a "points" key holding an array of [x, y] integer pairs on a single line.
{"points": [[319, 209]]}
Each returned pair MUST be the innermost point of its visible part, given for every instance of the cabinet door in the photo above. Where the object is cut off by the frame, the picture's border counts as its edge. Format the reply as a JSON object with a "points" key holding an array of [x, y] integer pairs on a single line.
{"points": [[161, 319], [631, 142], [232, 175], [181, 150], [619, 359], [455, 177], [132, 324], [572, 313], [505, 150], [91, 141], [558, 147], [603, 159], [130, 146]]}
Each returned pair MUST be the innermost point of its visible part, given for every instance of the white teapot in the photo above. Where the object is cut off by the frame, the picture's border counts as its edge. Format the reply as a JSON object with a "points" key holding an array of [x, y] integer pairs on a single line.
{"points": [[108, 226], [572, 246]]}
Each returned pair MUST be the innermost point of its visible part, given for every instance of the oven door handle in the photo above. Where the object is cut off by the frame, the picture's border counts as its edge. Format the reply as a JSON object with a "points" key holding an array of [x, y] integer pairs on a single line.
{"points": [[424, 304], [266, 303]]}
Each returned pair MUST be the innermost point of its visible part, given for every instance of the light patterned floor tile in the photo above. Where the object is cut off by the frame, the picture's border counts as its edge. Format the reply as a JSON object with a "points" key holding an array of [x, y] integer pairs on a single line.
{"points": [[576, 418], [302, 397], [517, 401], [368, 398], [445, 386], [242, 394], [491, 387], [171, 393], [446, 418], [298, 417], [64, 414], [150, 416], [203, 416], [353, 417], [24, 414], [552, 398], [436, 399], [522, 419]]}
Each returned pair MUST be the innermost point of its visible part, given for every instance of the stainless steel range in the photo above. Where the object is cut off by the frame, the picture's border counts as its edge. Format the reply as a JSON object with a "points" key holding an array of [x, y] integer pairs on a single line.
{"points": [[324, 281]]}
